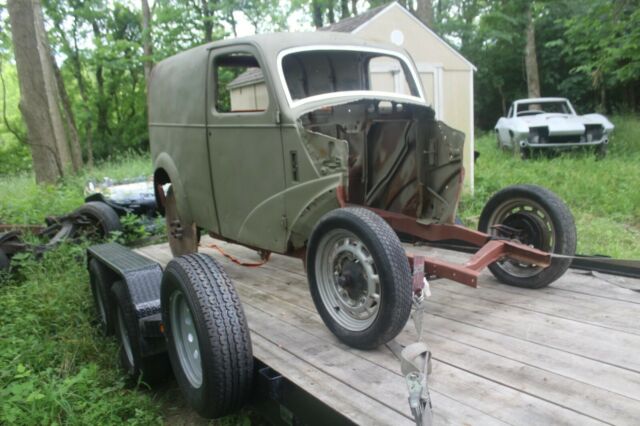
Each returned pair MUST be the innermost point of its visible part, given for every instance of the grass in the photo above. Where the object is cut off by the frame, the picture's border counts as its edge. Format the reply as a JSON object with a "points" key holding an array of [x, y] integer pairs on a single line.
{"points": [[56, 369], [603, 195]]}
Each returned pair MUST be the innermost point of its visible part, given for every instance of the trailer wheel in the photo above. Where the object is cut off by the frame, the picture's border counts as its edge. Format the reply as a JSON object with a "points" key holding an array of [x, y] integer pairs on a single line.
{"points": [[4, 261], [153, 369], [535, 217], [359, 277], [183, 238], [207, 335], [100, 221], [101, 280]]}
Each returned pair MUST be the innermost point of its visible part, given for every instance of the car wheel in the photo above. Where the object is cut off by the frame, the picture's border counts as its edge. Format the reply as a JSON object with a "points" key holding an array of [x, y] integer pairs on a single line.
{"points": [[601, 151], [97, 221], [152, 369], [207, 335], [101, 280], [538, 218], [359, 277], [183, 238]]}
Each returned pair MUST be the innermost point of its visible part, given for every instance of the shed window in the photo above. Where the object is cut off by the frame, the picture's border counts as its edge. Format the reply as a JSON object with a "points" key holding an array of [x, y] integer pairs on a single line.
{"points": [[239, 84]]}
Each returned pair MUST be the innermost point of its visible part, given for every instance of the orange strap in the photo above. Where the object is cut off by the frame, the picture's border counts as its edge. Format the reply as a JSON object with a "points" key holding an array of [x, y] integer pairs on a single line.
{"points": [[264, 255]]}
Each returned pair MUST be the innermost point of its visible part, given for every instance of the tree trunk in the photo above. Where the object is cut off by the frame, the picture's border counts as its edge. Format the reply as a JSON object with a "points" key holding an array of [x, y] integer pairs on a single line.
{"points": [[354, 7], [531, 57], [147, 42], [70, 121], [344, 9], [316, 10], [39, 100], [424, 11], [330, 15], [207, 16]]}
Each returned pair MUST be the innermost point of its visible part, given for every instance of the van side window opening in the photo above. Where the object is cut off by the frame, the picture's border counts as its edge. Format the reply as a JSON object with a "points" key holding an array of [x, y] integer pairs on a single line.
{"points": [[239, 84], [317, 72]]}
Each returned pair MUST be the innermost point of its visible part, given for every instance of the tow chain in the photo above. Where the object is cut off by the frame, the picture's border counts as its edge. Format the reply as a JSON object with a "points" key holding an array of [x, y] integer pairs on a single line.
{"points": [[415, 359]]}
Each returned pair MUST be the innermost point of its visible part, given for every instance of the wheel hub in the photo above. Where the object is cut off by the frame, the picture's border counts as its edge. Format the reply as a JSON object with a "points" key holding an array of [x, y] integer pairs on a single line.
{"points": [[348, 281]]}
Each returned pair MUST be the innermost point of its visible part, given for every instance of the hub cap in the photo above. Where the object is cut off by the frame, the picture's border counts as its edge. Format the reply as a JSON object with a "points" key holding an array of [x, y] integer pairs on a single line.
{"points": [[185, 338], [347, 280]]}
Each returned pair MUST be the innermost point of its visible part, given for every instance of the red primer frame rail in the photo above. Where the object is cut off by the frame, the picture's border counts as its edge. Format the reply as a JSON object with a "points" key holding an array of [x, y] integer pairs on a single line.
{"points": [[491, 250]]}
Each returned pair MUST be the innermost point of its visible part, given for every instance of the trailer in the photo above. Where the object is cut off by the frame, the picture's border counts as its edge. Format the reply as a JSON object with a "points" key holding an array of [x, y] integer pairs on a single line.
{"points": [[501, 355]]}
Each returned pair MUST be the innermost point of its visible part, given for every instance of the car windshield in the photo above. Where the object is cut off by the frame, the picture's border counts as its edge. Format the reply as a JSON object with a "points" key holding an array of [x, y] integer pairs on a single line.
{"points": [[317, 72], [538, 107]]}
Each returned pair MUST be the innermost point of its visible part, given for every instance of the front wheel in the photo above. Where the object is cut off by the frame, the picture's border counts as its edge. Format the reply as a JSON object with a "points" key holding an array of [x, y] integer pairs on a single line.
{"points": [[359, 277], [538, 218]]}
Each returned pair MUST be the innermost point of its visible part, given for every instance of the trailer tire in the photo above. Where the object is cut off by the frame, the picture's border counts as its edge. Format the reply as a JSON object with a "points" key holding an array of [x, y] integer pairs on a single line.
{"points": [[103, 216], [152, 369], [101, 280], [544, 221], [208, 339], [359, 277], [4, 261]]}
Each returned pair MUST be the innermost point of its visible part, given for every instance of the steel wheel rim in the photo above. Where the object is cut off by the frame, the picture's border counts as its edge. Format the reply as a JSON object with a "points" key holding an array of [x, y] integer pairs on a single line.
{"points": [[354, 305], [534, 218], [185, 339], [124, 337]]}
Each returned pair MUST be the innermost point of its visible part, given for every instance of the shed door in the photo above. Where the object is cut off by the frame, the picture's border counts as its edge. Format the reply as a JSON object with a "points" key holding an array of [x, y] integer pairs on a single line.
{"points": [[245, 150]]}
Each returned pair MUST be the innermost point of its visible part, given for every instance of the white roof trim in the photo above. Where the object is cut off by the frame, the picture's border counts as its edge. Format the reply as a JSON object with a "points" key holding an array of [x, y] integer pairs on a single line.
{"points": [[419, 22]]}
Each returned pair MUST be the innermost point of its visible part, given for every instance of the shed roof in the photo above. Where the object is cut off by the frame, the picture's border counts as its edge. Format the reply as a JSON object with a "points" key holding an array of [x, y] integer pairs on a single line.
{"points": [[347, 25], [250, 76]]}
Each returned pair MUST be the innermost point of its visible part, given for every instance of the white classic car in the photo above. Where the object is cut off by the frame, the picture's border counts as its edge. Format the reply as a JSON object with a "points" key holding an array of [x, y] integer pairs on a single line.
{"points": [[551, 123]]}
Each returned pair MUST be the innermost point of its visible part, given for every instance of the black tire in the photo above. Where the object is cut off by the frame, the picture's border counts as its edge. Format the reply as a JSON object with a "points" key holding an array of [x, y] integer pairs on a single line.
{"points": [[544, 221], [601, 151], [196, 287], [103, 220], [101, 279], [152, 369], [340, 290], [183, 238], [4, 261]]}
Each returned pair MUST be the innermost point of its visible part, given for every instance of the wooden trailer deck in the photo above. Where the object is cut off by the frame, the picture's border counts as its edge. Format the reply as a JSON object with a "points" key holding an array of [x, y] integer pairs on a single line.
{"points": [[567, 354]]}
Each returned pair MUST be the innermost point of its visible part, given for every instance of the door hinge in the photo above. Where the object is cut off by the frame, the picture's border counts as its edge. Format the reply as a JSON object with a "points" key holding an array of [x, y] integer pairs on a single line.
{"points": [[285, 222]]}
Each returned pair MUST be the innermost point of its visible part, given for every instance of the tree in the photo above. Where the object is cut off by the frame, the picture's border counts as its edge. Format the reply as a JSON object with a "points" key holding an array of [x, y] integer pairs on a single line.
{"points": [[40, 92], [531, 57], [424, 11], [147, 42]]}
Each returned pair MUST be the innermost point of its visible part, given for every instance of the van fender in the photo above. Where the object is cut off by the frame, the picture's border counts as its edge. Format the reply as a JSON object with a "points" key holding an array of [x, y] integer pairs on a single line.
{"points": [[165, 162]]}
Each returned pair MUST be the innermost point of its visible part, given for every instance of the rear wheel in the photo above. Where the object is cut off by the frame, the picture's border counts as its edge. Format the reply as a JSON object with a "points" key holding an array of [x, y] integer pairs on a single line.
{"points": [[183, 238], [536, 217], [101, 280], [151, 369], [359, 277], [207, 335]]}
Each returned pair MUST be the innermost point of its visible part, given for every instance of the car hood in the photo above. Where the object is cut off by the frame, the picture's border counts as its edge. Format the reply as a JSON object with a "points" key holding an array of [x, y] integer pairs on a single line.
{"points": [[565, 124]]}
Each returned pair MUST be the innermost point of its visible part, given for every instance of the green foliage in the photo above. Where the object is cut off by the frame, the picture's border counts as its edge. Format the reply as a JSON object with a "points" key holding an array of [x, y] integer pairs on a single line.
{"points": [[601, 194], [54, 367], [24, 202]]}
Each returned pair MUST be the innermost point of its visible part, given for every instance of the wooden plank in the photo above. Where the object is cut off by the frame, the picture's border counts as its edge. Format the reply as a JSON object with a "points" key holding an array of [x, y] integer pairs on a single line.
{"points": [[356, 406], [607, 313], [597, 343], [457, 381]]}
